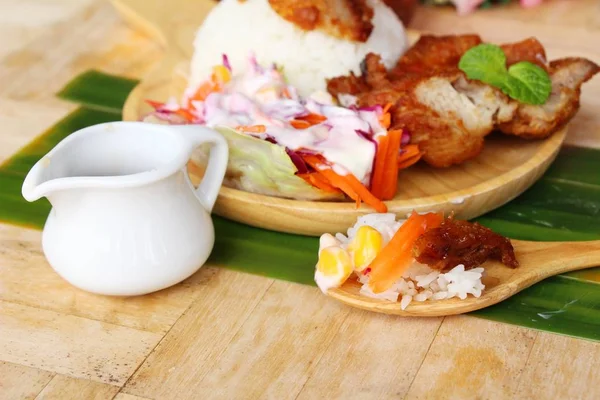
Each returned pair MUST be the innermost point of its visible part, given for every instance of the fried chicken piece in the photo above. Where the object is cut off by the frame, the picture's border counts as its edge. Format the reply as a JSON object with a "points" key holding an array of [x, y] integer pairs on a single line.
{"points": [[457, 242], [344, 19], [526, 50], [539, 121], [432, 55], [448, 115]]}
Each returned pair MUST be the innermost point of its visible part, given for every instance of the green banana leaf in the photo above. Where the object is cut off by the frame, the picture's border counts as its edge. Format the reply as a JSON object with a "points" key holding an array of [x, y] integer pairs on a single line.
{"points": [[563, 205]]}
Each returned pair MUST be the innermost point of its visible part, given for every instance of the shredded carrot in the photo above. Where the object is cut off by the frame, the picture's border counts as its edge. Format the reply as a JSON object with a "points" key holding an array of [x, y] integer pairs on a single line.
{"points": [[409, 162], [204, 90], [389, 265], [286, 93], [313, 119], [386, 118], [410, 155], [252, 128], [346, 183], [185, 114], [155, 104], [300, 124], [318, 180]]}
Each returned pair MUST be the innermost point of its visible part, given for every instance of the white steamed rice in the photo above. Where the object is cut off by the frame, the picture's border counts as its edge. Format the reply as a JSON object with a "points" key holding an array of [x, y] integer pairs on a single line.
{"points": [[238, 28], [419, 282]]}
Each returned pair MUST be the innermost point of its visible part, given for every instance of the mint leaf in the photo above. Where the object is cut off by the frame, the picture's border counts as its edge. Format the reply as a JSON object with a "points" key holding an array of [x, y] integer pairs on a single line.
{"points": [[524, 81], [486, 63], [529, 83]]}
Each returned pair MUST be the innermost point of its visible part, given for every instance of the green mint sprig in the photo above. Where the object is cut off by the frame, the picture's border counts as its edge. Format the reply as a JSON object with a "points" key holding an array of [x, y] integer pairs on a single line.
{"points": [[523, 81]]}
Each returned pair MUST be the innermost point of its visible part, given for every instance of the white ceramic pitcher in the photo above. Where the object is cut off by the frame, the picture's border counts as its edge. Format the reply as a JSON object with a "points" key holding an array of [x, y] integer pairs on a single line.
{"points": [[125, 218]]}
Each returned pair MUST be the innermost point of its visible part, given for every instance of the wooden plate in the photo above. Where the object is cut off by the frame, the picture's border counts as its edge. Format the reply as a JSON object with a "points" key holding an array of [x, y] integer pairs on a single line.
{"points": [[506, 167]]}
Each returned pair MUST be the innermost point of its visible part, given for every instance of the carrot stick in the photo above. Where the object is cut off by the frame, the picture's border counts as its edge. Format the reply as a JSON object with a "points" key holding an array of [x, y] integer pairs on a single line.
{"points": [[389, 265], [252, 128], [346, 183], [379, 169], [389, 185], [300, 124], [317, 180]]}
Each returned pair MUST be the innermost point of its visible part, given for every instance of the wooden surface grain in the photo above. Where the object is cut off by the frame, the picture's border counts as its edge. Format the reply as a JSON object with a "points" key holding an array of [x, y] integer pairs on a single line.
{"points": [[223, 334]]}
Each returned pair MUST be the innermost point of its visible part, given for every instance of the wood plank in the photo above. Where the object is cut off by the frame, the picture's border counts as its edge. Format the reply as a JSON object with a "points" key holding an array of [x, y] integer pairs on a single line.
{"points": [[25, 20], [125, 396], [561, 367], [65, 388], [472, 358], [18, 382], [277, 349], [21, 255], [19, 128], [93, 37], [373, 356], [70, 345], [198, 339]]}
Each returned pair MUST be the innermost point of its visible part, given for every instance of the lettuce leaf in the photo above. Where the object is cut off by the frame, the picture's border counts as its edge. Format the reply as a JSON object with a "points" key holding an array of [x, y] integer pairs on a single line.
{"points": [[259, 166]]}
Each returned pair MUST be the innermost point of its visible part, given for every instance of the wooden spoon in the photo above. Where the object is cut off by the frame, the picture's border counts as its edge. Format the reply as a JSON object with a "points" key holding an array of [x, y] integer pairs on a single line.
{"points": [[538, 261]]}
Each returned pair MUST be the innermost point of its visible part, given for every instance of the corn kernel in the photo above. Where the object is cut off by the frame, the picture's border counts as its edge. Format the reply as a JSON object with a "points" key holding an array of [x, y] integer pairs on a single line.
{"points": [[365, 246], [221, 74], [333, 268], [335, 261]]}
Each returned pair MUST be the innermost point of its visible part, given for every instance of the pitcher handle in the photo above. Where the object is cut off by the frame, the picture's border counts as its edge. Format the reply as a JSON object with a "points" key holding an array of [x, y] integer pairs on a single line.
{"points": [[208, 190]]}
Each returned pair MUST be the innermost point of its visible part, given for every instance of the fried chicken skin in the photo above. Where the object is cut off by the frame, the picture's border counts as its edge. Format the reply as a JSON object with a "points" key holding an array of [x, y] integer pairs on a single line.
{"points": [[538, 122], [344, 19], [457, 242], [447, 114]]}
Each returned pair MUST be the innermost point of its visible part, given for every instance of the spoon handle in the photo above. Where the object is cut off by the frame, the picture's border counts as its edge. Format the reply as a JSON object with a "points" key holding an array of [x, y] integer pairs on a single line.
{"points": [[553, 258]]}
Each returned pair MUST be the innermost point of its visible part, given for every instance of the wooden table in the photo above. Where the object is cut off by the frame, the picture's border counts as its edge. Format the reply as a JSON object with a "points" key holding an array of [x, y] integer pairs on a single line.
{"points": [[228, 335]]}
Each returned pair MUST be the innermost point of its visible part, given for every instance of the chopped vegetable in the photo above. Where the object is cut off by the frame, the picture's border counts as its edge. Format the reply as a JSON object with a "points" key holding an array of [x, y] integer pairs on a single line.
{"points": [[252, 128], [220, 75], [385, 178], [312, 119], [396, 256], [409, 155], [365, 246], [260, 105], [346, 183], [386, 118], [300, 124], [318, 180]]}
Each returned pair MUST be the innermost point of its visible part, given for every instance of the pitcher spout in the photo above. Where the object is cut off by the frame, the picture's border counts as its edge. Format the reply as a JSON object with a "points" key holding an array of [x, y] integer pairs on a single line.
{"points": [[42, 181]]}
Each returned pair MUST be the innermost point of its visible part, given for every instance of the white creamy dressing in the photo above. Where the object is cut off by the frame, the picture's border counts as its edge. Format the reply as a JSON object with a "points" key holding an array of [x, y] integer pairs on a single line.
{"points": [[260, 97]]}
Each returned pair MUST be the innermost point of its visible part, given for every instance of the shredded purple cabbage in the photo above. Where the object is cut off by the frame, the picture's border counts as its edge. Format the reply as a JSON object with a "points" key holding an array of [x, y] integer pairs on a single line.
{"points": [[405, 139], [298, 161], [226, 62], [376, 108]]}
